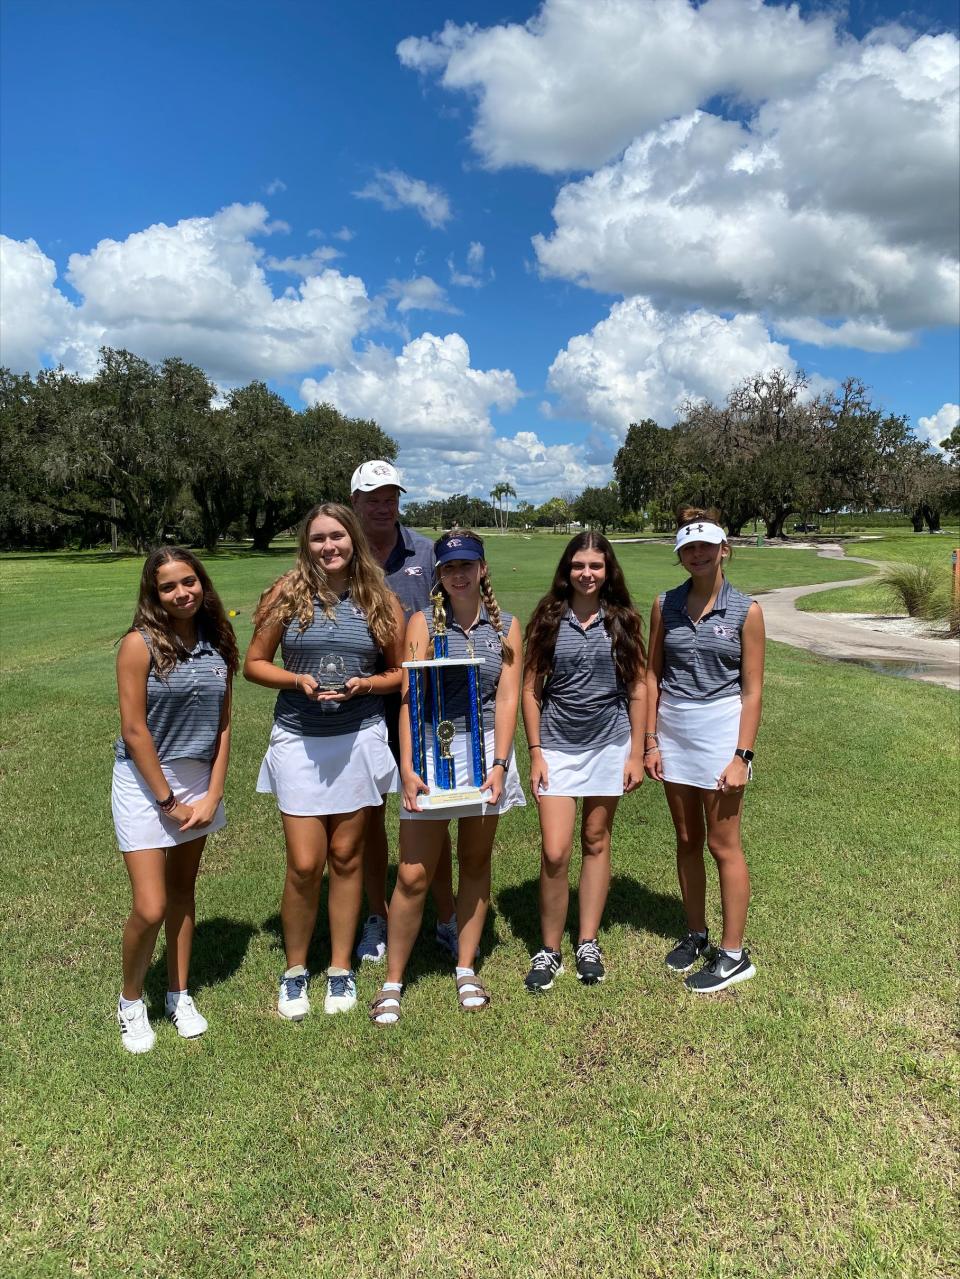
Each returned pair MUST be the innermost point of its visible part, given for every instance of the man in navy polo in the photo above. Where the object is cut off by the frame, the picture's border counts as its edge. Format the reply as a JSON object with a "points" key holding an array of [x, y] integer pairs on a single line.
{"points": [[408, 564]]}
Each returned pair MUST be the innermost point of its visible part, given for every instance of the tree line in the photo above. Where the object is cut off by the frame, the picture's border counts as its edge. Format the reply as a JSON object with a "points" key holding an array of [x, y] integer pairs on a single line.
{"points": [[773, 450], [152, 450]]}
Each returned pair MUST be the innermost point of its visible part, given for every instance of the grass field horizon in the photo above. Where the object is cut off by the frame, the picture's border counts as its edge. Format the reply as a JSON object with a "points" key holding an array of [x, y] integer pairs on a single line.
{"points": [[803, 1125]]}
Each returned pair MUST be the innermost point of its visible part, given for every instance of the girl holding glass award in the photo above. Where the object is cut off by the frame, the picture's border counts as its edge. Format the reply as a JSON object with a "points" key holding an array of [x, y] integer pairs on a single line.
{"points": [[467, 614], [174, 671], [583, 711], [328, 762]]}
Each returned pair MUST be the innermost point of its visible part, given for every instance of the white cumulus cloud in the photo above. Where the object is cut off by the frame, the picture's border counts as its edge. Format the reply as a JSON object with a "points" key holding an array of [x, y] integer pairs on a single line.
{"points": [[938, 426], [640, 362], [395, 189], [572, 86], [197, 289], [840, 202]]}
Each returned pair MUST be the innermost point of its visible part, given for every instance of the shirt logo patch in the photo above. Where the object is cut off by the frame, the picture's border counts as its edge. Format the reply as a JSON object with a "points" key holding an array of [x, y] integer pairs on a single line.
{"points": [[493, 645], [357, 612], [416, 571], [724, 632], [219, 671]]}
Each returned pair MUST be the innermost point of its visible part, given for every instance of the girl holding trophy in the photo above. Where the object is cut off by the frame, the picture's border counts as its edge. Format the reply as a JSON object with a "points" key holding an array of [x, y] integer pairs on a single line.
{"points": [[328, 761], [469, 623], [174, 671], [583, 711]]}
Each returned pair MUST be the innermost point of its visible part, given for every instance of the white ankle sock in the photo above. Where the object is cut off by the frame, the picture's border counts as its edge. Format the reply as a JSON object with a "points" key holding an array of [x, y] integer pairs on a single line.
{"points": [[468, 1000], [734, 954], [128, 1003]]}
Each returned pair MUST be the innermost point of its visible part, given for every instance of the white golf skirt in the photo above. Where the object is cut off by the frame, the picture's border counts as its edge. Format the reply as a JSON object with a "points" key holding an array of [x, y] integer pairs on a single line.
{"points": [[597, 770], [697, 739], [318, 776], [511, 796], [137, 820]]}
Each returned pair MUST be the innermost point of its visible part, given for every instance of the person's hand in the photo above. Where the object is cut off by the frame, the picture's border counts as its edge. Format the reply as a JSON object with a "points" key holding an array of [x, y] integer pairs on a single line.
{"points": [[735, 776], [412, 787], [539, 775], [493, 782], [202, 814], [633, 772], [181, 814], [306, 685], [653, 764]]}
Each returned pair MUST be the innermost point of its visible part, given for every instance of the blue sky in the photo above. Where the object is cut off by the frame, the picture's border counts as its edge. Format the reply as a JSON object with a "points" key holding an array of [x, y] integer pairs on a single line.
{"points": [[504, 242]]}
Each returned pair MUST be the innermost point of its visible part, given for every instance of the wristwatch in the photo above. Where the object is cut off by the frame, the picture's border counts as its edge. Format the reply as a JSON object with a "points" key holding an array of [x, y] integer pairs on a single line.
{"points": [[745, 755], [502, 762]]}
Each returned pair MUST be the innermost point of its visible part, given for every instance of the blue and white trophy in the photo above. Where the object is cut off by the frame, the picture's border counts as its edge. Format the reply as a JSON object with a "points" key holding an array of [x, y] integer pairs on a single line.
{"points": [[436, 764]]}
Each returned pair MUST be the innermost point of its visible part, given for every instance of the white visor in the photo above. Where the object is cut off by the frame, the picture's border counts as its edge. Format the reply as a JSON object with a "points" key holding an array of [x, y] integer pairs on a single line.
{"points": [[699, 531]]}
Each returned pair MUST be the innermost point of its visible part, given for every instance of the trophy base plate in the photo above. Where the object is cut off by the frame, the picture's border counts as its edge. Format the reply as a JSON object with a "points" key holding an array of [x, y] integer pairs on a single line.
{"points": [[467, 797]]}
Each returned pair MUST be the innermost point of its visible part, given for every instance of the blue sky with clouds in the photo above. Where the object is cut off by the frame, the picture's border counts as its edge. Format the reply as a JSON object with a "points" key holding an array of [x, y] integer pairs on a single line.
{"points": [[503, 233]]}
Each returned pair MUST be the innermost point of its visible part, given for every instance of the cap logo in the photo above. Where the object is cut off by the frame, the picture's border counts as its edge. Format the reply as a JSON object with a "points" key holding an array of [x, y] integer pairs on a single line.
{"points": [[380, 469], [454, 541]]}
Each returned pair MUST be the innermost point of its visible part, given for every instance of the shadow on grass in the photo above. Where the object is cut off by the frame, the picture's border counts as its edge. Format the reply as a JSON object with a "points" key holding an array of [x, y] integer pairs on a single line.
{"points": [[219, 945], [629, 904]]}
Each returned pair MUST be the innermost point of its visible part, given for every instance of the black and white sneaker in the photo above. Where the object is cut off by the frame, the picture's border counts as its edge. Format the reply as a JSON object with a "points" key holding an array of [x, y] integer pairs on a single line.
{"points": [[686, 952], [720, 970], [590, 967], [545, 965]]}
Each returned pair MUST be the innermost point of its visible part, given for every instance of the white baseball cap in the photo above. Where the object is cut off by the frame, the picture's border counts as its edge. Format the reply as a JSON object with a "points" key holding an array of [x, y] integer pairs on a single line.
{"points": [[375, 475], [699, 531]]}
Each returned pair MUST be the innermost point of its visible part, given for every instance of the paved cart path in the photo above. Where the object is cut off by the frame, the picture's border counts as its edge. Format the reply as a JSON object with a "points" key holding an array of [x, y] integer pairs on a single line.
{"points": [[937, 661]]}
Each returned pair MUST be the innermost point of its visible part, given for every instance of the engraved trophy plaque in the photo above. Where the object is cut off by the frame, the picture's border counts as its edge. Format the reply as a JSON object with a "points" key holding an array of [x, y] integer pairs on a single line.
{"points": [[436, 761]]}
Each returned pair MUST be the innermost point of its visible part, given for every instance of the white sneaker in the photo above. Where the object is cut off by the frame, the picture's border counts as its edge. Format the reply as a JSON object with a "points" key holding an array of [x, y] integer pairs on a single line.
{"points": [[136, 1033], [294, 1003], [372, 946], [341, 993], [182, 1011]]}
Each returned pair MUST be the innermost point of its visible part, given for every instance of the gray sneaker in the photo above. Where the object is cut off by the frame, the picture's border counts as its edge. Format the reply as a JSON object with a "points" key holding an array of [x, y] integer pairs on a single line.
{"points": [[372, 947], [720, 971], [545, 965], [686, 952]]}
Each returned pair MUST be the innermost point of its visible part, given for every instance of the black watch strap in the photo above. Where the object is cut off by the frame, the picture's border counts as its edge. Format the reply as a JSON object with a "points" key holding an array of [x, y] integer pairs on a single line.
{"points": [[745, 755], [502, 762]]}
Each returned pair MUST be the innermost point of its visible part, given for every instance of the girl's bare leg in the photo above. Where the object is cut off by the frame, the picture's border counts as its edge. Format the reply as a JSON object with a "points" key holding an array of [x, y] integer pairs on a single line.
{"points": [[306, 839], [595, 831], [558, 817], [723, 839], [146, 868], [474, 847], [183, 863], [345, 870], [421, 843], [686, 809]]}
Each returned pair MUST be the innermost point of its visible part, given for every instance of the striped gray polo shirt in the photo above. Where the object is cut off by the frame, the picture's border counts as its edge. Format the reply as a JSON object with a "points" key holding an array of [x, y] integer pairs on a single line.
{"points": [[184, 706], [485, 638], [584, 699], [702, 659], [343, 641]]}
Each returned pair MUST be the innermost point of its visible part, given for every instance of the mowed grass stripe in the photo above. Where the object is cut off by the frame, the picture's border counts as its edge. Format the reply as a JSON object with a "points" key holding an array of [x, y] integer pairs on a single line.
{"points": [[802, 1125]]}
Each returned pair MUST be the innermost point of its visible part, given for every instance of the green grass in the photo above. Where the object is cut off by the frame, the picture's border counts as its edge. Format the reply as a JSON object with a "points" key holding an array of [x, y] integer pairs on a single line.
{"points": [[886, 545], [803, 1125]]}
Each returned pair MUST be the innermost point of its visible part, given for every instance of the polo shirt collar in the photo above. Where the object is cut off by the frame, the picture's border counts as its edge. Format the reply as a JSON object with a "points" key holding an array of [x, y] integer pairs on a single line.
{"points": [[482, 618], [719, 604], [571, 617], [403, 548]]}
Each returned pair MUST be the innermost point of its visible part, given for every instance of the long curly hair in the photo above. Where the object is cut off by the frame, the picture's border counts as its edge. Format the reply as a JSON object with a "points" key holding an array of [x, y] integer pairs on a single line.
{"points": [[622, 621], [166, 646], [292, 595], [486, 592]]}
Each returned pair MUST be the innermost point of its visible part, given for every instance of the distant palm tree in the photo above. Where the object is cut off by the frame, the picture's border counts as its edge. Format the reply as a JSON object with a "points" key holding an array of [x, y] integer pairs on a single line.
{"points": [[501, 493]]}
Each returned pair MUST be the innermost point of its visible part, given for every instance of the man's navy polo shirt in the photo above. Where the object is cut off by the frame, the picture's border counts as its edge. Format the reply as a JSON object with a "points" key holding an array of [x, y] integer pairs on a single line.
{"points": [[409, 570]]}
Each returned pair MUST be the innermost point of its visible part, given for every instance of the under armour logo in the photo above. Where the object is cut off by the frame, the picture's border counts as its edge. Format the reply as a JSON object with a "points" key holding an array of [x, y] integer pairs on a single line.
{"points": [[689, 529]]}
